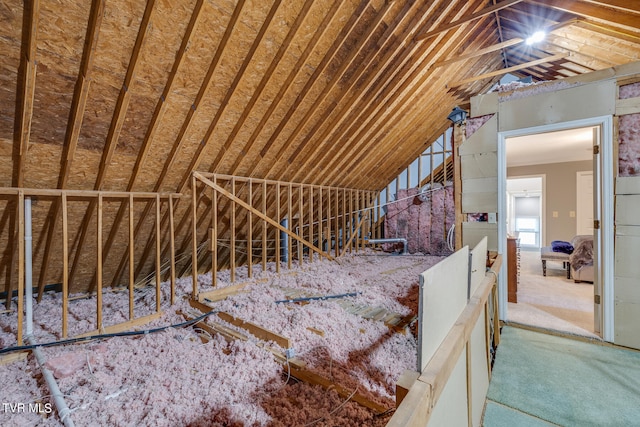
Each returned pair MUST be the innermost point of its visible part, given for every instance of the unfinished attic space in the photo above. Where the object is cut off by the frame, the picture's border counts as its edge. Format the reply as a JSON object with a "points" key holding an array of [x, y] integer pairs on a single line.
{"points": [[294, 213]]}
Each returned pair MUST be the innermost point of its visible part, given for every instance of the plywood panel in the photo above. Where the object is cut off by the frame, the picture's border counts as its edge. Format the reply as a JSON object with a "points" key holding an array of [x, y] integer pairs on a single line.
{"points": [[443, 296], [482, 105], [480, 202], [581, 102], [628, 185], [480, 185], [484, 165], [473, 232], [627, 208], [450, 410], [483, 140]]}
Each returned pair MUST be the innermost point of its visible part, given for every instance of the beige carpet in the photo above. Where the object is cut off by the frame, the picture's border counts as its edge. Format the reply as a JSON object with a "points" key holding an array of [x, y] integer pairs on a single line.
{"points": [[551, 302]]}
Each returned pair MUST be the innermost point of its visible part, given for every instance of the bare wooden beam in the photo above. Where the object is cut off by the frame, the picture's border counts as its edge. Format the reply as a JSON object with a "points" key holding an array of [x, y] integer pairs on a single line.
{"points": [[122, 104], [65, 265], [480, 52], [131, 258], [597, 12], [194, 231], [99, 265], [258, 213], [26, 89], [197, 157], [484, 12], [510, 69], [76, 115]]}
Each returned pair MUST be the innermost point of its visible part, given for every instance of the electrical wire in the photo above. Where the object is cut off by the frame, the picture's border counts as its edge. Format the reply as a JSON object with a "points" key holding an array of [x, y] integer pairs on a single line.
{"points": [[111, 335], [334, 410]]}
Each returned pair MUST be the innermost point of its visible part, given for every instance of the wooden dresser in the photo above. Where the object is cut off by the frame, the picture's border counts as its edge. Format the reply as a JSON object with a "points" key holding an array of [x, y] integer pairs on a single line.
{"points": [[513, 267]]}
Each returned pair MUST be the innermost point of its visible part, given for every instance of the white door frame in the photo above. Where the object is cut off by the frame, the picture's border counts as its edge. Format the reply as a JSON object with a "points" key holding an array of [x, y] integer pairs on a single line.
{"points": [[605, 259]]}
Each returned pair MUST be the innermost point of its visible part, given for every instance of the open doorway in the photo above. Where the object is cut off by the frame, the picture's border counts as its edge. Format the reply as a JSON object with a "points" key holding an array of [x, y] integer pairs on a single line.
{"points": [[558, 209]]}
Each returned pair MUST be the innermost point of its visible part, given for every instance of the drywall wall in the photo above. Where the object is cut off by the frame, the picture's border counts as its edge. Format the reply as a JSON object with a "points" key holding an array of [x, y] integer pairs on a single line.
{"points": [[560, 195]]}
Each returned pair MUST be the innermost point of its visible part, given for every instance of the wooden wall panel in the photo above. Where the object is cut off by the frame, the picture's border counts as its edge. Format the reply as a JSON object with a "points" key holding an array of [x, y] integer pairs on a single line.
{"points": [[559, 106], [473, 232]]}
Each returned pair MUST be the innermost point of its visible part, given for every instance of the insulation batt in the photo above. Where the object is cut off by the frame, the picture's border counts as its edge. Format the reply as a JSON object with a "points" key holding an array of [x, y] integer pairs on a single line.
{"points": [[174, 378], [424, 223], [629, 135]]}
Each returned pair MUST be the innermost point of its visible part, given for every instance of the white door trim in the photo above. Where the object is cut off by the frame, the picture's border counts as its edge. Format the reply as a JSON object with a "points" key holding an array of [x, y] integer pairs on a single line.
{"points": [[606, 255]]}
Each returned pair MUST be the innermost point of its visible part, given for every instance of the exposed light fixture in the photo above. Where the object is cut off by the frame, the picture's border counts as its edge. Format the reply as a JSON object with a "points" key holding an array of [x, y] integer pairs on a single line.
{"points": [[536, 37], [457, 115]]}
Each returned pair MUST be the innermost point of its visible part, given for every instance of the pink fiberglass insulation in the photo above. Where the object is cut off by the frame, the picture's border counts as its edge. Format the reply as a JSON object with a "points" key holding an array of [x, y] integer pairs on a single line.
{"points": [[629, 135], [629, 91], [172, 378], [476, 123], [437, 235], [518, 90]]}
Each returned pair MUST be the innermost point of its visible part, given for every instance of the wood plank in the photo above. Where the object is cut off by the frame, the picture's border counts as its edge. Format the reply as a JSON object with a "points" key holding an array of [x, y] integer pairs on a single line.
{"points": [[124, 326], [197, 157], [172, 257], [473, 232], [479, 166], [250, 232], [485, 139], [257, 213], [255, 330], [627, 106], [7, 359], [122, 104], [65, 264], [194, 238], [264, 227], [290, 224], [158, 292], [222, 293], [526, 65], [99, 261], [232, 227], [26, 89], [131, 258], [627, 185], [474, 16]]}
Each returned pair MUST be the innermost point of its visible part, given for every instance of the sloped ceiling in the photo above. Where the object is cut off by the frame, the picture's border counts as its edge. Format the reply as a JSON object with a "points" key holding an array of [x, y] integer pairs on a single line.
{"points": [[134, 95]]}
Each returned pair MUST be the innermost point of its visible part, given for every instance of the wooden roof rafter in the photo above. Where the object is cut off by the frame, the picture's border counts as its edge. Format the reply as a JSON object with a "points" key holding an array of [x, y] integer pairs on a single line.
{"points": [[347, 29], [387, 87], [76, 115], [117, 121], [197, 157], [480, 14], [267, 76], [275, 102], [396, 106], [599, 12], [181, 139], [26, 89], [395, 54], [353, 56], [156, 118]]}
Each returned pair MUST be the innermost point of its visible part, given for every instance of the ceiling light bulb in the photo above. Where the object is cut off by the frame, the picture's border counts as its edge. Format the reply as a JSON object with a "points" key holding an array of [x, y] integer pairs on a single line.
{"points": [[536, 37]]}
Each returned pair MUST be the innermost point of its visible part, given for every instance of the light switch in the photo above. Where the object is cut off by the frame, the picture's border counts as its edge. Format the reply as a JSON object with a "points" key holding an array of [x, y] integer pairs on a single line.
{"points": [[572, 214], [555, 214], [492, 218]]}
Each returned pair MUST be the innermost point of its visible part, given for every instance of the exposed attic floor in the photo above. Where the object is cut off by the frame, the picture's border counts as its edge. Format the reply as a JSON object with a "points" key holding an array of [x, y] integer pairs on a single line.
{"points": [[173, 378]]}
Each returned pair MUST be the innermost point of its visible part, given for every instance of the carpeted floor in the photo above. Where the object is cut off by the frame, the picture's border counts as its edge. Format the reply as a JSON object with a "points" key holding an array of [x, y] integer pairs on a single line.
{"points": [[551, 302], [541, 380]]}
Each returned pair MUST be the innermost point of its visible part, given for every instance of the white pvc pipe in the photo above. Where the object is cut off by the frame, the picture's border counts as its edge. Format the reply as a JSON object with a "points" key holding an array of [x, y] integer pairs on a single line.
{"points": [[58, 397], [28, 276], [391, 240], [56, 394]]}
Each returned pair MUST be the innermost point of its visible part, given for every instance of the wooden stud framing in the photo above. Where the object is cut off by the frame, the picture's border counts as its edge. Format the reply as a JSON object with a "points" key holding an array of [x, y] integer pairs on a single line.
{"points": [[250, 232], [214, 237], [99, 261], [264, 226], [172, 255], [344, 216], [65, 264], [232, 222], [131, 257], [289, 224], [194, 247], [336, 225], [158, 273], [277, 237], [351, 221], [301, 223], [311, 219]]}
